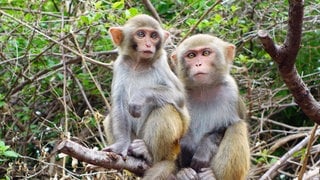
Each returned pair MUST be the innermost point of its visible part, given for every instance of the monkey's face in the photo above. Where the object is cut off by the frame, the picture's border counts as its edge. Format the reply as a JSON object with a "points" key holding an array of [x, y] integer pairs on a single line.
{"points": [[200, 66], [146, 41], [203, 60]]}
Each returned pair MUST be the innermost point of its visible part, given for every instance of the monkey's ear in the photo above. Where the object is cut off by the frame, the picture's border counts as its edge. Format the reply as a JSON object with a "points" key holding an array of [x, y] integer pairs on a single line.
{"points": [[116, 35], [166, 35], [230, 53], [173, 62], [174, 59]]}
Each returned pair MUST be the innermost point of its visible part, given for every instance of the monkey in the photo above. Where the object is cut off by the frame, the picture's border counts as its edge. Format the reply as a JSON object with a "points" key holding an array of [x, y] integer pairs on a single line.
{"points": [[148, 99], [216, 144]]}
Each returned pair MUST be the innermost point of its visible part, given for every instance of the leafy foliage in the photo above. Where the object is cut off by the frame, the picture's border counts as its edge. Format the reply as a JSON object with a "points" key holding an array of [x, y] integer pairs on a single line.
{"points": [[48, 92]]}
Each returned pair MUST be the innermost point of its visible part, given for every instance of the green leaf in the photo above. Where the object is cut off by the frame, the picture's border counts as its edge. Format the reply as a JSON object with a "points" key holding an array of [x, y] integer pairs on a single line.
{"points": [[233, 8], [4, 148], [131, 12], [118, 5], [11, 154], [84, 20], [2, 143], [98, 5], [218, 18]]}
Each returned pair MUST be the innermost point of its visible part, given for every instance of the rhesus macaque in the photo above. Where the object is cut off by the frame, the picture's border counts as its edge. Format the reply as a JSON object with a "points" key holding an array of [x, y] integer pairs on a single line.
{"points": [[148, 100], [217, 139]]}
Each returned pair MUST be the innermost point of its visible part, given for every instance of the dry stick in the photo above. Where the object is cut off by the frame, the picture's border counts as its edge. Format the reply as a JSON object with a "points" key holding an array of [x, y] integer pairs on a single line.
{"points": [[94, 80], [280, 142], [107, 65], [64, 92], [99, 88], [200, 19], [30, 11], [153, 11], [90, 107], [101, 158], [30, 80], [286, 156], [305, 160]]}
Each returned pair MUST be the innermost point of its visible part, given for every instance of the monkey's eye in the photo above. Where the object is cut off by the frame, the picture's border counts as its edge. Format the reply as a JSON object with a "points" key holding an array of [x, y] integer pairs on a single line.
{"points": [[206, 53], [140, 34], [191, 55], [154, 35]]}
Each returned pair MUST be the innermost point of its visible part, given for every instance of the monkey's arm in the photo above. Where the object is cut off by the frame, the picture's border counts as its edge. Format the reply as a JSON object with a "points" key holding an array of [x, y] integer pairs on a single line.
{"points": [[206, 150], [120, 127]]}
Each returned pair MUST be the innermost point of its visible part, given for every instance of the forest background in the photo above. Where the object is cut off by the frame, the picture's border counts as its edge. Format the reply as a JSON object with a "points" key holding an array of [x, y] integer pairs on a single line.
{"points": [[56, 69]]}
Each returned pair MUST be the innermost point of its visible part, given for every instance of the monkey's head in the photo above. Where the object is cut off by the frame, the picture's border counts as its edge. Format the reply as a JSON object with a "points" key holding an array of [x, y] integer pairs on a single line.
{"points": [[141, 38], [203, 60]]}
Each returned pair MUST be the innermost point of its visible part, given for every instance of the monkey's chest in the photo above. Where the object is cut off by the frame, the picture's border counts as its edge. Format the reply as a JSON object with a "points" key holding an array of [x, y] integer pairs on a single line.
{"points": [[208, 118]]}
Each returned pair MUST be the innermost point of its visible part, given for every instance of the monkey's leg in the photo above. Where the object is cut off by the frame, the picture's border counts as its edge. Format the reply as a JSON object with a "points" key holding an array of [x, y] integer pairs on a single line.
{"points": [[161, 132], [233, 157]]}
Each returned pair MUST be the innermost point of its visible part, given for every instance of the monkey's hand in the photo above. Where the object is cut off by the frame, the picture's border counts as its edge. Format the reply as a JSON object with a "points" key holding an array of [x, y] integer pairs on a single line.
{"points": [[186, 174], [206, 150], [139, 149], [120, 148], [207, 174], [200, 160]]}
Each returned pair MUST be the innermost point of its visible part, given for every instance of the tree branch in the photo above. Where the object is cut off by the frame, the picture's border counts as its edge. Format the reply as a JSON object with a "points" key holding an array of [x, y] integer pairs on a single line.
{"points": [[200, 19], [285, 57], [103, 159], [272, 170], [153, 11]]}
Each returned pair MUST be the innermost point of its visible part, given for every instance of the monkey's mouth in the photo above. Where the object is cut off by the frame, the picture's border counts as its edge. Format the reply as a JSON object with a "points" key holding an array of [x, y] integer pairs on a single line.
{"points": [[147, 52], [200, 74]]}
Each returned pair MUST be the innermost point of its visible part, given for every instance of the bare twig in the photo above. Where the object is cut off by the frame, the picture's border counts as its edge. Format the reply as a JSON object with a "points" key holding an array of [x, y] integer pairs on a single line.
{"points": [[200, 19], [286, 156], [153, 11], [97, 85], [39, 74], [285, 140], [107, 65], [94, 80], [305, 160]]}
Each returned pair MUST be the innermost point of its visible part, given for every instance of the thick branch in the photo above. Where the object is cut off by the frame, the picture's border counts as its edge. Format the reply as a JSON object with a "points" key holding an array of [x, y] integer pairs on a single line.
{"points": [[295, 20], [103, 159], [268, 44], [285, 57]]}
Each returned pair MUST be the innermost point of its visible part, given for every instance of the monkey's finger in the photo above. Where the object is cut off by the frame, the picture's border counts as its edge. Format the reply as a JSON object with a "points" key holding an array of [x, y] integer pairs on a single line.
{"points": [[198, 164], [139, 149], [137, 146], [187, 173], [138, 142], [206, 173]]}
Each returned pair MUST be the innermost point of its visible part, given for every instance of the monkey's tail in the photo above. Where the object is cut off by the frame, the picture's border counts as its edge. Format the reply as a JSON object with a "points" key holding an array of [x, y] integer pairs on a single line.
{"points": [[162, 170]]}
